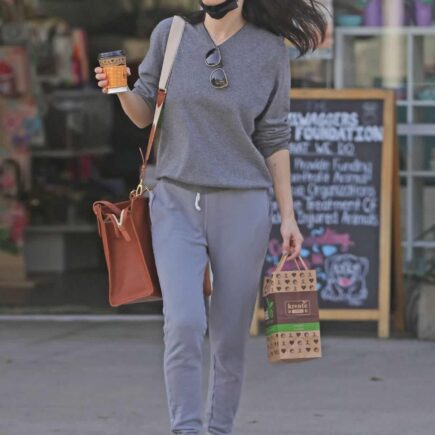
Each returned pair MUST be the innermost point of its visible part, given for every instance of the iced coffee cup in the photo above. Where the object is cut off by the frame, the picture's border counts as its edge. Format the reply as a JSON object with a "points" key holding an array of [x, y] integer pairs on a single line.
{"points": [[115, 68]]}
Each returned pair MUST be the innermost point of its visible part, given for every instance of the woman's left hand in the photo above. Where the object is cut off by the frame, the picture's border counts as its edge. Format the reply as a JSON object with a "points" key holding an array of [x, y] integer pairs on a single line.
{"points": [[291, 237]]}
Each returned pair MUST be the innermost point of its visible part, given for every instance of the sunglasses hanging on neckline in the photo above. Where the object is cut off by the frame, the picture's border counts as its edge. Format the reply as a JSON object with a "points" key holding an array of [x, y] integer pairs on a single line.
{"points": [[218, 77]]}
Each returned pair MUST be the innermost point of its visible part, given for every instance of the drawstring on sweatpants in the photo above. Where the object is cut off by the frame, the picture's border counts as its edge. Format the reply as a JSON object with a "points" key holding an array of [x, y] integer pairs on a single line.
{"points": [[198, 195]]}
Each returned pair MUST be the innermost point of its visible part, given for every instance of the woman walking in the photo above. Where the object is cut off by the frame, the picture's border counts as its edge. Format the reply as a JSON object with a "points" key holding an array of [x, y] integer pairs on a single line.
{"points": [[223, 142]]}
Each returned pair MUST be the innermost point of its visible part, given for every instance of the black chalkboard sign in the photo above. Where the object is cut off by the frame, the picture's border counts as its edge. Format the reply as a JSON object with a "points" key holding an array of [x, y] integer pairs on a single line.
{"points": [[341, 156]]}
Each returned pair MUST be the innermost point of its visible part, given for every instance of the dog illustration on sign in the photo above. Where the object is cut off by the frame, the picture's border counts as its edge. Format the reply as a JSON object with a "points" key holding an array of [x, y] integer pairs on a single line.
{"points": [[346, 279]]}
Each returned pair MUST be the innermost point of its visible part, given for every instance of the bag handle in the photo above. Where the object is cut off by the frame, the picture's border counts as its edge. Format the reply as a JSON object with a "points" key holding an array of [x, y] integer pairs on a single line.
{"points": [[284, 259], [174, 39], [109, 205]]}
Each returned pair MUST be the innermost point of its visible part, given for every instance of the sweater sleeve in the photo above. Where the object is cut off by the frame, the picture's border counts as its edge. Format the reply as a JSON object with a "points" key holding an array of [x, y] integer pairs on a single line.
{"points": [[149, 69], [272, 128]]}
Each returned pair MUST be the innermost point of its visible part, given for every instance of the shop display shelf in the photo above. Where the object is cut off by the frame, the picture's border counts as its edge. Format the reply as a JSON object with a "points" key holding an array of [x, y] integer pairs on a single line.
{"points": [[425, 244], [62, 228], [62, 153], [60, 248], [379, 31], [416, 129], [49, 79], [428, 244], [416, 103], [430, 175], [418, 174]]}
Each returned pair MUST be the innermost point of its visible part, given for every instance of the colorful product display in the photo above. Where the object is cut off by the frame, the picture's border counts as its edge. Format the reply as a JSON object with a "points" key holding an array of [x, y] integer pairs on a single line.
{"points": [[376, 13], [20, 126]]}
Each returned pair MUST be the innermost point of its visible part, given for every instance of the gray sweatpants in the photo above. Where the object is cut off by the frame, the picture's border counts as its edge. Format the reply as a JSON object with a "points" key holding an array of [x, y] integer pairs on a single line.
{"points": [[231, 227]]}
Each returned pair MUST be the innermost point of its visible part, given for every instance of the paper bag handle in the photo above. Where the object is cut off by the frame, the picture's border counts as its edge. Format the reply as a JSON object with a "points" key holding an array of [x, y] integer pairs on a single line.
{"points": [[283, 259]]}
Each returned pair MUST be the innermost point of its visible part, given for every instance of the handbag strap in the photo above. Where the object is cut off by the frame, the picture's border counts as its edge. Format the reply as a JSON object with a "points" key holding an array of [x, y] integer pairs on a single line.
{"points": [[174, 39]]}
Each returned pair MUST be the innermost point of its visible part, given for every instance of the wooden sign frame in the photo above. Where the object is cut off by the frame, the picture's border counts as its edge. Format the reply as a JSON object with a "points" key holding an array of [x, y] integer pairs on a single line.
{"points": [[387, 226]]}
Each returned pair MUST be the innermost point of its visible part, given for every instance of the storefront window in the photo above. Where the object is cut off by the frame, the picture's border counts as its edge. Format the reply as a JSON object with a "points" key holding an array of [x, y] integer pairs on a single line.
{"points": [[64, 145]]}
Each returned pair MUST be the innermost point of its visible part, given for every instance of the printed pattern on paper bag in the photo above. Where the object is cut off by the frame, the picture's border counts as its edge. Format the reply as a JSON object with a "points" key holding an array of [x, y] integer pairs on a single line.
{"points": [[290, 281], [294, 345]]}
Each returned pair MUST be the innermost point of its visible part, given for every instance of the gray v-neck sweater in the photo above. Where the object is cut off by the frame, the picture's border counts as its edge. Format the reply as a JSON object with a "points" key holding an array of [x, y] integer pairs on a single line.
{"points": [[219, 137]]}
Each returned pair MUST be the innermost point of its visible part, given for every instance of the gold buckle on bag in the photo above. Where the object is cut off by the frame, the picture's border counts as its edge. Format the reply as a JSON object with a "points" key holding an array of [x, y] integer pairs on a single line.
{"points": [[140, 189]]}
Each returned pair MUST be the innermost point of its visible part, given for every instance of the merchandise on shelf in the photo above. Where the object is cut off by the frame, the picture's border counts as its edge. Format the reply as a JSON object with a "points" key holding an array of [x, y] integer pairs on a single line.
{"points": [[14, 71], [13, 220], [20, 126], [60, 53], [373, 13], [376, 13], [423, 12], [78, 119]]}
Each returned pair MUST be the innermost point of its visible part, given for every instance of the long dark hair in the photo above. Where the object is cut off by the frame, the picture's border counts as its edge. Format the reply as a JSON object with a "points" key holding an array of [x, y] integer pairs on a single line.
{"points": [[302, 22]]}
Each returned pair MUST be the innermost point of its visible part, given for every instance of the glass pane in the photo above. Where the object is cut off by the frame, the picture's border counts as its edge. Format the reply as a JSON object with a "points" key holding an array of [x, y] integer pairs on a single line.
{"points": [[310, 73], [423, 153], [403, 161], [402, 117], [378, 72], [392, 63], [429, 211], [403, 208], [424, 115], [424, 62]]}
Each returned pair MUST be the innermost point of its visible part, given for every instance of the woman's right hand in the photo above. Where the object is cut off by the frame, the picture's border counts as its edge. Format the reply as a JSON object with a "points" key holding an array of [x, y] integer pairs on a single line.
{"points": [[101, 78]]}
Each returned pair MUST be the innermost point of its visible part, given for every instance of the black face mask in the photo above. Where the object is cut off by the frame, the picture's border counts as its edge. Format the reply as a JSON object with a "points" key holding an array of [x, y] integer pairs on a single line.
{"points": [[219, 11]]}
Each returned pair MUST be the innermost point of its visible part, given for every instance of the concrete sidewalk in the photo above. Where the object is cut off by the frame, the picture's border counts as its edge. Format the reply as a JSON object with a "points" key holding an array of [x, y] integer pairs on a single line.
{"points": [[83, 378]]}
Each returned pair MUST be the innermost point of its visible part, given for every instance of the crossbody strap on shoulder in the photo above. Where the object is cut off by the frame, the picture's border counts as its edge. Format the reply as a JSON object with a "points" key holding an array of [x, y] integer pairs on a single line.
{"points": [[174, 39]]}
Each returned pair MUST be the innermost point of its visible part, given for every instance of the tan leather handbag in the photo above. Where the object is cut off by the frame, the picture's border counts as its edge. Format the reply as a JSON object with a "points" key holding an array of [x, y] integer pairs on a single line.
{"points": [[125, 227]]}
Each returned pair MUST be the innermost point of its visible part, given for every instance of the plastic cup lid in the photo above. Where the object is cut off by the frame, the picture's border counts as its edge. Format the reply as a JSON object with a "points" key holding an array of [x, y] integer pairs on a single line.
{"points": [[108, 54]]}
